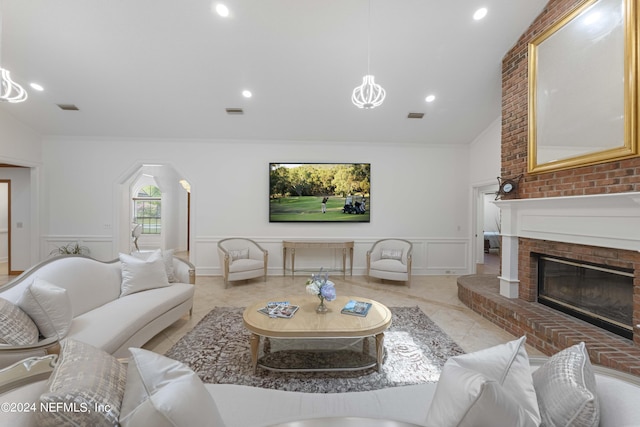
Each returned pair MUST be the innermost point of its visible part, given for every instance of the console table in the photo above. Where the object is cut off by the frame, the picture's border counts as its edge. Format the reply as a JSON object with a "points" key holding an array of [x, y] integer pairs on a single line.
{"points": [[292, 245]]}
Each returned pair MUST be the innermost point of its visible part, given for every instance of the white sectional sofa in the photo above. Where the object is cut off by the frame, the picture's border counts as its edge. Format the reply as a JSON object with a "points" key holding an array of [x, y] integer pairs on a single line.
{"points": [[157, 391], [111, 305]]}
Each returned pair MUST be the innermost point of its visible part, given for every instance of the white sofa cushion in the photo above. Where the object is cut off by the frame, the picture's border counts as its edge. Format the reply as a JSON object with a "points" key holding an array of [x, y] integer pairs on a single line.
{"points": [[49, 306], [388, 264], [566, 389], [16, 327], [86, 388], [243, 406], [132, 313], [245, 264], [164, 392], [491, 387], [618, 402], [140, 275]]}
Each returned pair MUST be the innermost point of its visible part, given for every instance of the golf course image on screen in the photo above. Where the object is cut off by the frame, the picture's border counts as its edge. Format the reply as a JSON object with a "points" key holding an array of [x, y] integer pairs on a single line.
{"points": [[319, 192]]}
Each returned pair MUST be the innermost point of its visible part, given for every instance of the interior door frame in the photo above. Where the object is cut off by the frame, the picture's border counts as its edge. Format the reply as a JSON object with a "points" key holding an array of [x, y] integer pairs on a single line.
{"points": [[8, 182], [477, 222]]}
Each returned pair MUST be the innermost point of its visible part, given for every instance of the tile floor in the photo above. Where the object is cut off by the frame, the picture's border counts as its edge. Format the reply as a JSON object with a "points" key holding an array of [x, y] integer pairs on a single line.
{"points": [[437, 296]]}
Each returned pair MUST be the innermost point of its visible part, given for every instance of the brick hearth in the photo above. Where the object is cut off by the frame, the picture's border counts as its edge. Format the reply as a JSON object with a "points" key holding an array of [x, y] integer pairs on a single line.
{"points": [[546, 329]]}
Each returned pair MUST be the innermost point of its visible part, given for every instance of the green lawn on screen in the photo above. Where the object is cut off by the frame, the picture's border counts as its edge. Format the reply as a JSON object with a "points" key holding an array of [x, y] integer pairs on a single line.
{"points": [[309, 208]]}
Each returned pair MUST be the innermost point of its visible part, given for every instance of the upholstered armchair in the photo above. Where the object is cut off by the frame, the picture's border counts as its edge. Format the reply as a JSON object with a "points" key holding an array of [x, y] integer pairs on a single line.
{"points": [[242, 259], [390, 259]]}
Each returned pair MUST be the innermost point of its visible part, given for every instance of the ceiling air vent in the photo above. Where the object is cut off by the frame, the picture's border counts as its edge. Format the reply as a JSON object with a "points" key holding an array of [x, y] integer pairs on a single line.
{"points": [[234, 110], [68, 107], [415, 115]]}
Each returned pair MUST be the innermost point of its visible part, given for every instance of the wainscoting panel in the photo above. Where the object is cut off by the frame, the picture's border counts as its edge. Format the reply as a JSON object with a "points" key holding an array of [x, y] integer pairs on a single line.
{"points": [[430, 256], [447, 256], [100, 247]]}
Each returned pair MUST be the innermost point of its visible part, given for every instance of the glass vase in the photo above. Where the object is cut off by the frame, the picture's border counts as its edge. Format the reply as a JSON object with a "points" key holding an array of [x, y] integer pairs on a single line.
{"points": [[321, 308]]}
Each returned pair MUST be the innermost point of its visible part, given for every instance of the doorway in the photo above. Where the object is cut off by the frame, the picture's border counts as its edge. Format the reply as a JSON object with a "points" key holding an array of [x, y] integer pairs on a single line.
{"points": [[5, 229], [167, 225], [486, 248]]}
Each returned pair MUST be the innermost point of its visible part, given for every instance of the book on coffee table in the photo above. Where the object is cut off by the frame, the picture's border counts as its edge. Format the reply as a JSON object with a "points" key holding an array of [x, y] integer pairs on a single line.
{"points": [[279, 309], [356, 308]]}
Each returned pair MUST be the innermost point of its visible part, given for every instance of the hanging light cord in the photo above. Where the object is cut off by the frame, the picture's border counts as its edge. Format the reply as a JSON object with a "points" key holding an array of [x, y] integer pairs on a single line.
{"points": [[369, 94]]}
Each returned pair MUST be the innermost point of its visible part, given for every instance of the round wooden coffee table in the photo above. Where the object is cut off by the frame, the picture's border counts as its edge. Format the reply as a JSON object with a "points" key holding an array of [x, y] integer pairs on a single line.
{"points": [[307, 324]]}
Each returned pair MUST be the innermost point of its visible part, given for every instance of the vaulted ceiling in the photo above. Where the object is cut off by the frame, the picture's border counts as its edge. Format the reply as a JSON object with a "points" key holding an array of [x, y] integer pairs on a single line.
{"points": [[170, 68]]}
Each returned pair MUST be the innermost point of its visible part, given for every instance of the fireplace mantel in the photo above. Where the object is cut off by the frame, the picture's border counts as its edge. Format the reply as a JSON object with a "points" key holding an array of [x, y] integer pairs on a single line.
{"points": [[605, 220]]}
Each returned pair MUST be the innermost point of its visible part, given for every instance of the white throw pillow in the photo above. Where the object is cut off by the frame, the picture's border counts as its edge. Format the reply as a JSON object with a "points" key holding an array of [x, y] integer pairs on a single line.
{"points": [[388, 253], [168, 265], [141, 275], [49, 306], [239, 254], [164, 392], [16, 327], [491, 387], [167, 256], [566, 388]]}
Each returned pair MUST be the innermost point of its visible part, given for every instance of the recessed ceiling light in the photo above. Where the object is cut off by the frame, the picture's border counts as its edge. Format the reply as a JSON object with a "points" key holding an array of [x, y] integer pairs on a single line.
{"points": [[480, 13], [36, 86], [222, 10], [430, 98], [247, 93]]}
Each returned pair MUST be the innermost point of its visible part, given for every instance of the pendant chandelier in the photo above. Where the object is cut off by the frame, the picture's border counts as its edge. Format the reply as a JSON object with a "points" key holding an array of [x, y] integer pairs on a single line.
{"points": [[369, 94], [10, 91]]}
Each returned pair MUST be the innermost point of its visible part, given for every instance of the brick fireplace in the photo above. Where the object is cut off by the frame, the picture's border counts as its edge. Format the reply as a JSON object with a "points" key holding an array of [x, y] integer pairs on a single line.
{"points": [[616, 258], [589, 213]]}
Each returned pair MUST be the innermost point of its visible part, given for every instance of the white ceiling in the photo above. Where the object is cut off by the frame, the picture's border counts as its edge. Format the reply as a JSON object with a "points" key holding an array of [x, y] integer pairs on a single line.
{"points": [[169, 68]]}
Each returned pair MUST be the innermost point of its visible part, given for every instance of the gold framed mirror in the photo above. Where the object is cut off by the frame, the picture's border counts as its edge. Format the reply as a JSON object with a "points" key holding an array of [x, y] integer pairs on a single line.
{"points": [[583, 88]]}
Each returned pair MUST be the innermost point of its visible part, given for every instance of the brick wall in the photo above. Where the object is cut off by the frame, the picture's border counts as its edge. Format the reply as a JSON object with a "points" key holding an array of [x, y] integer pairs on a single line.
{"points": [[613, 177]]}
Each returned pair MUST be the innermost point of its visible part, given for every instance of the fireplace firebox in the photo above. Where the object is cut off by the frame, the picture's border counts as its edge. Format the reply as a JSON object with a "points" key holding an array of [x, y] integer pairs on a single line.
{"points": [[598, 294]]}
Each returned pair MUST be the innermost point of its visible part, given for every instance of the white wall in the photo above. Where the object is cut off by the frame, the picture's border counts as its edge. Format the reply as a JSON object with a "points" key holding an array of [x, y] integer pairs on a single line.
{"points": [[484, 168], [484, 155], [21, 146], [418, 192]]}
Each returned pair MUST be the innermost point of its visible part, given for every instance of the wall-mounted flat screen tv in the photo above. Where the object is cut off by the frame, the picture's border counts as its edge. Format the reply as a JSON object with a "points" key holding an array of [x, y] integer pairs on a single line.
{"points": [[319, 192]]}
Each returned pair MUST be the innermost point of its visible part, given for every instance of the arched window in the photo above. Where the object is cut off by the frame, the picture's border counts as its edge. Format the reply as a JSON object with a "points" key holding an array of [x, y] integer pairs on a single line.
{"points": [[147, 206]]}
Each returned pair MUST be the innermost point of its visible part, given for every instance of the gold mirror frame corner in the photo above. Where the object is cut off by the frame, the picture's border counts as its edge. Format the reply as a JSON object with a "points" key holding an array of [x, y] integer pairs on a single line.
{"points": [[631, 111]]}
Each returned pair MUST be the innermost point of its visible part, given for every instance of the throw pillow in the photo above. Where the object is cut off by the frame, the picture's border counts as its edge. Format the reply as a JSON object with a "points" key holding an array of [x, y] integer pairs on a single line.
{"points": [[141, 275], [85, 388], [566, 388], [167, 256], [49, 306], [239, 254], [164, 392], [16, 327], [391, 254], [491, 387]]}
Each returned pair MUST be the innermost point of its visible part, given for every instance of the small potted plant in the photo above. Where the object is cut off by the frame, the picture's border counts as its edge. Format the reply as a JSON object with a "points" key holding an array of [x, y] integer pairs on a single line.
{"points": [[71, 249]]}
